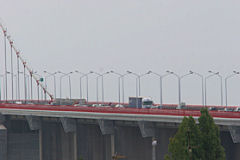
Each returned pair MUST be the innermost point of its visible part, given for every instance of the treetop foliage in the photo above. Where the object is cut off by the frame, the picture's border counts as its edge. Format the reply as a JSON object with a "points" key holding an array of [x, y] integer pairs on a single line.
{"points": [[196, 142]]}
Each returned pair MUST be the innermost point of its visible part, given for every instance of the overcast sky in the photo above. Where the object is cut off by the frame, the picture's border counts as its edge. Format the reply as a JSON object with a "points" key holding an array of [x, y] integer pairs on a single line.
{"points": [[136, 35]]}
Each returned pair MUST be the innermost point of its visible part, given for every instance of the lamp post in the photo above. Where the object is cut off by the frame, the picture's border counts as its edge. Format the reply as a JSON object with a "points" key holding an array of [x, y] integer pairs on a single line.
{"points": [[31, 77], [226, 91], [11, 83], [160, 85], [69, 80], [5, 58], [54, 81], [119, 85], [80, 83], [86, 75], [120, 76], [211, 75], [100, 75], [26, 84], [38, 82], [179, 83], [123, 87], [18, 75], [12, 74], [2, 76], [154, 144], [15, 75], [202, 81], [137, 92], [27, 88], [12, 86], [24, 81], [138, 84], [138, 80]]}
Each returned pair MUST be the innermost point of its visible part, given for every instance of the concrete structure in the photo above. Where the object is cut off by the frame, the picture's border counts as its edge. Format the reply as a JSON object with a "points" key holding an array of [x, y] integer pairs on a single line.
{"points": [[53, 133], [51, 142]]}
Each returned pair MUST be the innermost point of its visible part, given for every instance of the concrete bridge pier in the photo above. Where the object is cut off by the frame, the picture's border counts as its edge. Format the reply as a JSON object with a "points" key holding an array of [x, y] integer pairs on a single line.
{"points": [[59, 140], [3, 142], [92, 144], [3, 139], [35, 123], [147, 129], [40, 144], [107, 130], [70, 126], [231, 142], [38, 138]]}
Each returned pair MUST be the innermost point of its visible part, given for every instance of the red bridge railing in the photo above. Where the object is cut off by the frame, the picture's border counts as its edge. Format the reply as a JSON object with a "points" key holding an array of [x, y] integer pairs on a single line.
{"points": [[113, 110]]}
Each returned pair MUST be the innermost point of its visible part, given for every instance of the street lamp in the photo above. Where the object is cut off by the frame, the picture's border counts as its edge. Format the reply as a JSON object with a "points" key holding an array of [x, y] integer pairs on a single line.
{"points": [[86, 75], [15, 75], [2, 84], [2, 76], [26, 85], [120, 76], [12, 85], [226, 91], [27, 96], [202, 80], [123, 87], [69, 81], [5, 59], [154, 144], [179, 83], [100, 75], [211, 75], [119, 85], [80, 83], [129, 72], [12, 74], [54, 79], [38, 81], [138, 80], [160, 85], [138, 84]]}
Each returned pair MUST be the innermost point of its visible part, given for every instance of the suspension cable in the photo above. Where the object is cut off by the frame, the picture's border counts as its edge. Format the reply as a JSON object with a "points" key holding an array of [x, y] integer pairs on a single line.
{"points": [[25, 63]]}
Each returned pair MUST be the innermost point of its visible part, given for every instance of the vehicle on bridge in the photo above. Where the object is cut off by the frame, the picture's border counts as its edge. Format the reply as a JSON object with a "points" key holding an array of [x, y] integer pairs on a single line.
{"points": [[147, 103]]}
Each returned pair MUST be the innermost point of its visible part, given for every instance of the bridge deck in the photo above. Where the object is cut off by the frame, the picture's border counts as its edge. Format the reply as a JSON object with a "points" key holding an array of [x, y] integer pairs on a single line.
{"points": [[109, 110], [124, 114]]}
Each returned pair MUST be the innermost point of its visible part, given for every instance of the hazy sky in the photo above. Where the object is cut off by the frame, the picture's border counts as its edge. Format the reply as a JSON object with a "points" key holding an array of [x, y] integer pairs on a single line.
{"points": [[136, 35]]}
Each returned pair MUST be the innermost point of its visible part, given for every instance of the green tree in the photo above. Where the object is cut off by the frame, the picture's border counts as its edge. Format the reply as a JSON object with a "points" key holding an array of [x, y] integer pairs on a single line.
{"points": [[196, 142], [210, 137], [185, 145]]}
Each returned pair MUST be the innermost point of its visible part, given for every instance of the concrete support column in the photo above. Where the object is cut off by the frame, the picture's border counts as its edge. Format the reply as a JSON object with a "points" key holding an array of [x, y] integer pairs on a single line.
{"points": [[75, 145], [107, 129], [112, 144], [147, 129], [70, 132], [3, 142], [40, 144], [235, 133], [107, 147]]}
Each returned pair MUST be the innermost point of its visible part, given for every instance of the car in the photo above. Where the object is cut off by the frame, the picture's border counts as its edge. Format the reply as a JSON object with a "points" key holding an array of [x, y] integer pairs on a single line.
{"points": [[118, 106]]}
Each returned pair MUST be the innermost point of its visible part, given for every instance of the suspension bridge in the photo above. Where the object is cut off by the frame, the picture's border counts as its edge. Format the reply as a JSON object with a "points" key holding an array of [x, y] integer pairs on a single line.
{"points": [[38, 125]]}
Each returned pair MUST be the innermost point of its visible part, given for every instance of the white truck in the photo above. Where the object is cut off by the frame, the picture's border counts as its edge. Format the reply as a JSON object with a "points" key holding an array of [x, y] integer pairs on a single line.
{"points": [[147, 102]]}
